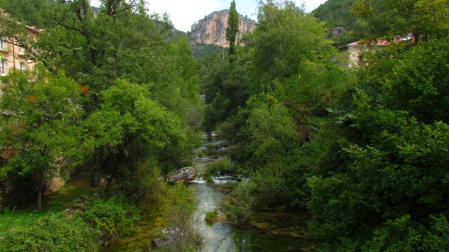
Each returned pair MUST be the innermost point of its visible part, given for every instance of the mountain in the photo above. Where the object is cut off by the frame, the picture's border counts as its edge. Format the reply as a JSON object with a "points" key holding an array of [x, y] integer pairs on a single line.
{"points": [[212, 28]]}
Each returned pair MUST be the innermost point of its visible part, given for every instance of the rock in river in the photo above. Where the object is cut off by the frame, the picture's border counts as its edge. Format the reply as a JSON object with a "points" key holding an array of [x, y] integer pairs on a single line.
{"points": [[183, 174]]}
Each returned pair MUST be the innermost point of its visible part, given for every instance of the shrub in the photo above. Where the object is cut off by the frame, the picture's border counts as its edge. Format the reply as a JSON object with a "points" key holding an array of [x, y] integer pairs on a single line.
{"points": [[113, 217], [179, 209], [224, 166], [54, 233], [140, 186], [211, 216], [243, 203]]}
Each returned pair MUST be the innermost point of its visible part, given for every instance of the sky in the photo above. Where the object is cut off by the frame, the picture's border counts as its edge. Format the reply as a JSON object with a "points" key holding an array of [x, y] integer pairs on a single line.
{"points": [[184, 13]]}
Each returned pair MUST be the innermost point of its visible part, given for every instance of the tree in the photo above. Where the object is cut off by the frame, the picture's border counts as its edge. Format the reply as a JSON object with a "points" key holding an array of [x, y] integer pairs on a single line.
{"points": [[425, 19], [129, 127], [232, 29], [284, 38], [119, 41], [390, 179], [226, 92], [28, 11], [41, 134]]}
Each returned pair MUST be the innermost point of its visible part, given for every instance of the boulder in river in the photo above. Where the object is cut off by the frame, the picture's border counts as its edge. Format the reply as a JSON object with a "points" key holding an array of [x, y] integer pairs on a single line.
{"points": [[183, 174]]}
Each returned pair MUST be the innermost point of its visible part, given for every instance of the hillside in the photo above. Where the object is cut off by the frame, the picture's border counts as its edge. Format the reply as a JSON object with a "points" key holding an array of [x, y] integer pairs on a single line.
{"points": [[336, 13]]}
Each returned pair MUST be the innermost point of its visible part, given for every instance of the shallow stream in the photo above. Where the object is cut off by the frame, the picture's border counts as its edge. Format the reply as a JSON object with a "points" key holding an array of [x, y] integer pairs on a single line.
{"points": [[268, 231]]}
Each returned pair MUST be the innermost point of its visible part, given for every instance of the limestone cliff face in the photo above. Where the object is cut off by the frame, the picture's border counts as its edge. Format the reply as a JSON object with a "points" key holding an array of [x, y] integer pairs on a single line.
{"points": [[212, 28]]}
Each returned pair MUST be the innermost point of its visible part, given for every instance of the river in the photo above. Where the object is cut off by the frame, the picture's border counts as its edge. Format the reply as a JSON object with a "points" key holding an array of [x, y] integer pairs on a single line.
{"points": [[268, 231]]}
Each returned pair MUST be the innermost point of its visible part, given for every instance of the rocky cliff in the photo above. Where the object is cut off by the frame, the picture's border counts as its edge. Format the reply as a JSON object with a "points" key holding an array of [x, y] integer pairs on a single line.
{"points": [[212, 28]]}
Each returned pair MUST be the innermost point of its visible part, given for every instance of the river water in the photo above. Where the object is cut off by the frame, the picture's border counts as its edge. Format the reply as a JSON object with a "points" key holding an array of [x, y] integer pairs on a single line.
{"points": [[269, 231]]}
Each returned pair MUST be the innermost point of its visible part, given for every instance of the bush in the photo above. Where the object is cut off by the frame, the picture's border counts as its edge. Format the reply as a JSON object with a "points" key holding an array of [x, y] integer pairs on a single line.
{"points": [[140, 186], [243, 202], [55, 233], [179, 209], [224, 166], [211, 216], [113, 217], [273, 187]]}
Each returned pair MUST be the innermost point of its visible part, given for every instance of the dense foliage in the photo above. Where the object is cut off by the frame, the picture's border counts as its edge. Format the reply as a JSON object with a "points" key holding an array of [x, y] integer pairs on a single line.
{"points": [[364, 150], [116, 87], [41, 136], [337, 14], [116, 90], [391, 187]]}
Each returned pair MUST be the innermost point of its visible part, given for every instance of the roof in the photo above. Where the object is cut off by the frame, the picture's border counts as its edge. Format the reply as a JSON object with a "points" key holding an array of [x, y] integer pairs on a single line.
{"points": [[381, 42], [377, 43]]}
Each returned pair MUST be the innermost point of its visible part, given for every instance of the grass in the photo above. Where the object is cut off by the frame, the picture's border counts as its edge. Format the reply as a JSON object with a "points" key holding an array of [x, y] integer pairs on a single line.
{"points": [[10, 219], [78, 185], [211, 216]]}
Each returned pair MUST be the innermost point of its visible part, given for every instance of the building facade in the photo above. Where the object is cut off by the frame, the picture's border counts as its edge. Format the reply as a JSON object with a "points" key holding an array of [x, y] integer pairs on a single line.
{"points": [[13, 56]]}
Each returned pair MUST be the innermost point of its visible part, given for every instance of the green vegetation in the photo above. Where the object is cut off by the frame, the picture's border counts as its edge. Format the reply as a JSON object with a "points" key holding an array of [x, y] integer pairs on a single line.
{"points": [[337, 13], [242, 203], [364, 150], [232, 29], [89, 223], [46, 110], [115, 91], [211, 216], [103, 96], [224, 167], [201, 50], [179, 208], [53, 233]]}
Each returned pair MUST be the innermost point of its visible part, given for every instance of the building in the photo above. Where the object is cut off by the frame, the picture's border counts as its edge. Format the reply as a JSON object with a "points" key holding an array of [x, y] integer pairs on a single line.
{"points": [[355, 49], [13, 56]]}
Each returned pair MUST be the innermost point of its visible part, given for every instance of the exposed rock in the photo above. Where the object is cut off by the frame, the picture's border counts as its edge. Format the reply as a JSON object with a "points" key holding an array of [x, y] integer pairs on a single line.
{"points": [[56, 178], [7, 112], [337, 31], [174, 237], [212, 28], [169, 236], [157, 243], [183, 174], [53, 184]]}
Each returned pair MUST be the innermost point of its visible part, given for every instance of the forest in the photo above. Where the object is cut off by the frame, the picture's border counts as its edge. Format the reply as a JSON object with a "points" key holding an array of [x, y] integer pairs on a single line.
{"points": [[361, 150]]}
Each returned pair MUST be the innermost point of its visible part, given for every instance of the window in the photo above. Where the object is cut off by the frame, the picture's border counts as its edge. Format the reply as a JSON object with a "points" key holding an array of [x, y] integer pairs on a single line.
{"points": [[21, 50], [2, 43], [4, 67], [22, 66]]}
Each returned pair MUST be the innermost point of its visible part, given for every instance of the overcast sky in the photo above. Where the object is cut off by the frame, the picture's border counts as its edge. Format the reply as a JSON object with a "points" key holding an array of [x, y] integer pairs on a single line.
{"points": [[183, 13]]}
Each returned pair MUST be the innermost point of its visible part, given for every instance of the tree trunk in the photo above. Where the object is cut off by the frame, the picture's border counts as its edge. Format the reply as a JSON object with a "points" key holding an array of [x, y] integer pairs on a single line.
{"points": [[40, 189], [114, 173], [95, 177], [96, 172]]}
